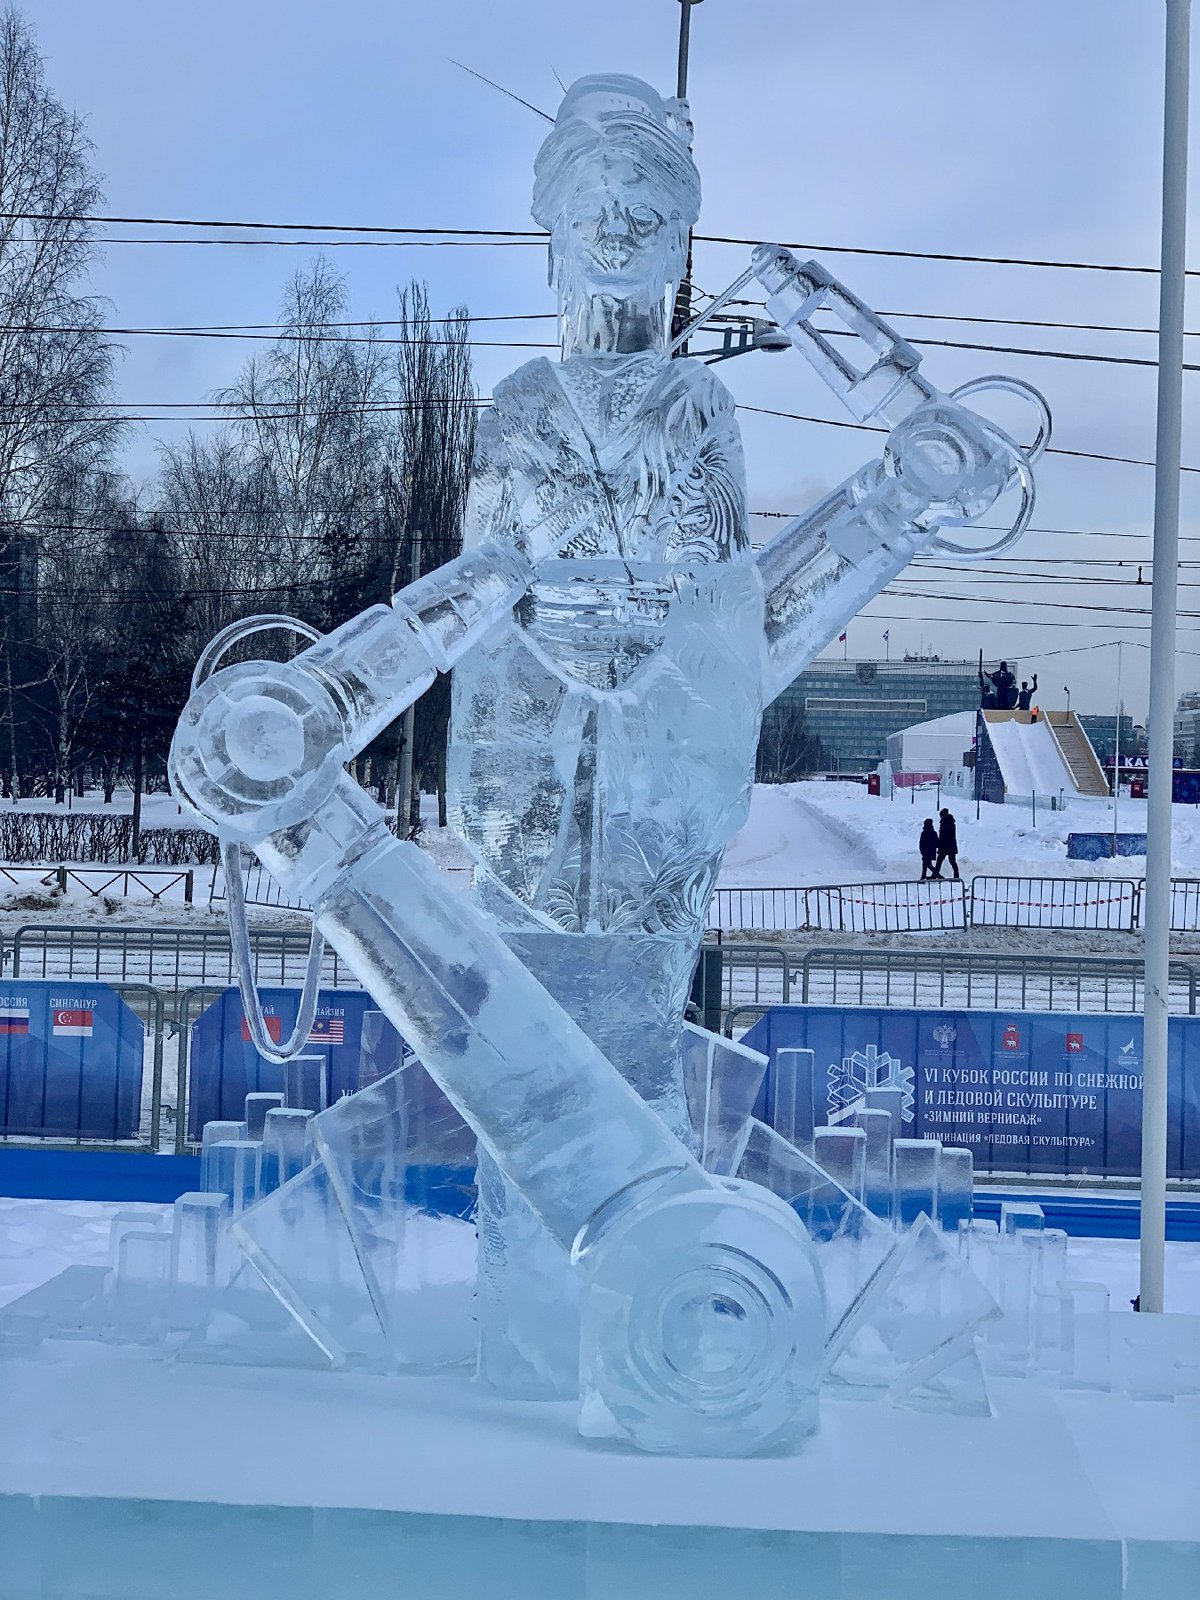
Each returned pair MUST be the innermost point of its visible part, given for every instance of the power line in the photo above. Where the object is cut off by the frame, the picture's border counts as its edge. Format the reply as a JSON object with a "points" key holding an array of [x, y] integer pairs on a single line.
{"points": [[866, 427], [535, 236]]}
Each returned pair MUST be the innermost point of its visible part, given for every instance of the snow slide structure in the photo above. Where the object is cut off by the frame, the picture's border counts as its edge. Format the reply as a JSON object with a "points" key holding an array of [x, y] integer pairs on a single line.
{"points": [[1052, 756]]}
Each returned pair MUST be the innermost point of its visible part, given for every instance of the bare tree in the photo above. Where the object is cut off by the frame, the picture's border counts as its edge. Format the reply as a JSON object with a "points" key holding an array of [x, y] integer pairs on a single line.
{"points": [[55, 364]]}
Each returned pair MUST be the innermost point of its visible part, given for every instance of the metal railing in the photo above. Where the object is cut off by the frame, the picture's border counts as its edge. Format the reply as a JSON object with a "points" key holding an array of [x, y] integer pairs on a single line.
{"points": [[167, 958], [988, 901], [154, 881], [1028, 902], [730, 909], [913, 907], [988, 980], [259, 888]]}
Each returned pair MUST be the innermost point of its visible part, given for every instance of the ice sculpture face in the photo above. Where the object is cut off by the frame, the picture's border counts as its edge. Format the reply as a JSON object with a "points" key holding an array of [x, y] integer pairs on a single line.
{"points": [[617, 190]]}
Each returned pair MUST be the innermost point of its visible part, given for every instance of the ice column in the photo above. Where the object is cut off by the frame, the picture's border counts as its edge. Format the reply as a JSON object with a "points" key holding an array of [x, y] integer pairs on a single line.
{"points": [[305, 1086], [1086, 1336], [956, 1172], [914, 1180], [842, 1153], [890, 1099], [257, 1106], [138, 1286], [877, 1179], [213, 1133], [285, 1146], [235, 1171], [1016, 1215], [195, 1250], [790, 1095]]}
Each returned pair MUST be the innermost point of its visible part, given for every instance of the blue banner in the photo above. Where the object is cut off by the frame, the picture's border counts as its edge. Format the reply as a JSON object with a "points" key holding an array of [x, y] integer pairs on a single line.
{"points": [[1025, 1091], [224, 1067], [71, 1057]]}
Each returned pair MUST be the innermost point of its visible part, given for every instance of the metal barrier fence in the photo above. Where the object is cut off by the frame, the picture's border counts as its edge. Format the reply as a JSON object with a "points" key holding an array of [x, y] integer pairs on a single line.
{"points": [[1185, 905], [154, 881], [167, 958], [917, 907], [1110, 903], [259, 888], [989, 979], [1085, 903], [731, 909]]}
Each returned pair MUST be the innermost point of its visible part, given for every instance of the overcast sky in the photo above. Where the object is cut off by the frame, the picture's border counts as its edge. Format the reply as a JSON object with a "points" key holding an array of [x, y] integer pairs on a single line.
{"points": [[1026, 128]]}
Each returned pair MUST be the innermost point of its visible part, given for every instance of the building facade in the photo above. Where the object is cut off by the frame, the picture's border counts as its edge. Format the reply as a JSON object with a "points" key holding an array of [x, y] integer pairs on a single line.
{"points": [[837, 715]]}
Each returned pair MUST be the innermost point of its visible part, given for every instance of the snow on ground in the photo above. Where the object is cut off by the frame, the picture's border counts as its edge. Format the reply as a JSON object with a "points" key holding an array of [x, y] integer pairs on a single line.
{"points": [[38, 1238], [819, 832]]}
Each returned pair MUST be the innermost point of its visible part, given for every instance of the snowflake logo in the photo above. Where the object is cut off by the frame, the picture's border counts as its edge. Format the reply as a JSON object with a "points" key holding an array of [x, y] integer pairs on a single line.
{"points": [[863, 1070]]}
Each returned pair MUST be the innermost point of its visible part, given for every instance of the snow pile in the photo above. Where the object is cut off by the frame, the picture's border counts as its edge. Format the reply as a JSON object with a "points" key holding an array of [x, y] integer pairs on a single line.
{"points": [[816, 832]]}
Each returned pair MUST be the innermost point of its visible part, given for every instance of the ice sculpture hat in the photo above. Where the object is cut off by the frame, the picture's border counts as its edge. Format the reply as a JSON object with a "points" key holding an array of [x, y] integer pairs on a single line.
{"points": [[609, 117]]}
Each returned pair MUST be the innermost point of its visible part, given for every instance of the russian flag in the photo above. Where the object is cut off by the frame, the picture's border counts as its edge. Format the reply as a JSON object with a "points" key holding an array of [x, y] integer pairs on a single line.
{"points": [[13, 1019], [73, 1024]]}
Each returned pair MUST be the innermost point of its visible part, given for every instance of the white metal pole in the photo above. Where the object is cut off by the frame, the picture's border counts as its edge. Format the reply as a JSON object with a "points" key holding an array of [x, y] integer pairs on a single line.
{"points": [[1117, 753], [1172, 283]]}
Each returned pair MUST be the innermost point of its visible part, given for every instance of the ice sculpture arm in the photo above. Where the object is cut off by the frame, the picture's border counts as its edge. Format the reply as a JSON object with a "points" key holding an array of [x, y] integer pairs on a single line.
{"points": [[943, 464]]}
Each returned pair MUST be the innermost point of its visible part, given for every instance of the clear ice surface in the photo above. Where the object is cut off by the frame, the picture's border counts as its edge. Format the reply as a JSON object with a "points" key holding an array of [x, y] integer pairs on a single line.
{"points": [[305, 1083], [257, 1106], [956, 1183]]}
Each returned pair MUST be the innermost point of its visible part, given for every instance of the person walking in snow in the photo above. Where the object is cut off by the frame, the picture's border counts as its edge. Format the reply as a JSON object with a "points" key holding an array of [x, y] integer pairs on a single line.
{"points": [[947, 840], [927, 844]]}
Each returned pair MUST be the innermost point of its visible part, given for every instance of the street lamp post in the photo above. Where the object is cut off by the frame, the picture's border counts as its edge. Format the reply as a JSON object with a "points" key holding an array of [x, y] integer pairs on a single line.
{"points": [[1171, 287], [683, 295]]}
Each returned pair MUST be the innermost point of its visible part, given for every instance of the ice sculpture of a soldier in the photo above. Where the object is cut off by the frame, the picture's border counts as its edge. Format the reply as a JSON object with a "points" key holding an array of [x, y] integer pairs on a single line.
{"points": [[614, 639]]}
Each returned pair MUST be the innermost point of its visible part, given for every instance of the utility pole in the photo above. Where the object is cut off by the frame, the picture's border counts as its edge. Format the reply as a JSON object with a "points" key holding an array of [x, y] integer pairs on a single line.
{"points": [[404, 794], [1167, 460], [682, 314]]}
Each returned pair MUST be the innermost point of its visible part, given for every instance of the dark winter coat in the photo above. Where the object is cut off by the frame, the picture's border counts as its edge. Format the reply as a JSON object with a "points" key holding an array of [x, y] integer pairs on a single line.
{"points": [[948, 835], [928, 842]]}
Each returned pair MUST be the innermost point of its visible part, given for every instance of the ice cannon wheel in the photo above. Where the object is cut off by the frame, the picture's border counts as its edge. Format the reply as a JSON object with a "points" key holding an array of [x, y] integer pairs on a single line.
{"points": [[703, 1324]]}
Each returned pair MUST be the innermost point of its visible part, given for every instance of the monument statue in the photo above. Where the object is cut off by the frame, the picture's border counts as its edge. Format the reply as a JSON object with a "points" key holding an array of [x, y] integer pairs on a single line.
{"points": [[614, 637]]}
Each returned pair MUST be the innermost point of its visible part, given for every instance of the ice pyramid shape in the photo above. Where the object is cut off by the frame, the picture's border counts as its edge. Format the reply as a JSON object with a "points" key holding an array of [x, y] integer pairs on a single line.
{"points": [[911, 1316]]}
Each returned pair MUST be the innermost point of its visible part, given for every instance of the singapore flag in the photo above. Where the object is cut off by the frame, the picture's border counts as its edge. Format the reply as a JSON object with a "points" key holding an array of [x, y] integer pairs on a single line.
{"points": [[74, 1024]]}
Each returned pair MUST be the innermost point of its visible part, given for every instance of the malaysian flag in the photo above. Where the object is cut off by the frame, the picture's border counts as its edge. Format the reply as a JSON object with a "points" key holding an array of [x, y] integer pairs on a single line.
{"points": [[328, 1030], [13, 1018], [74, 1024], [274, 1026]]}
